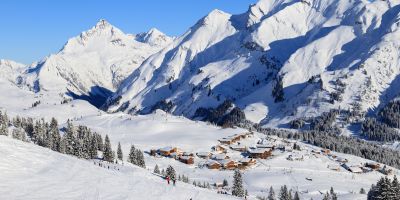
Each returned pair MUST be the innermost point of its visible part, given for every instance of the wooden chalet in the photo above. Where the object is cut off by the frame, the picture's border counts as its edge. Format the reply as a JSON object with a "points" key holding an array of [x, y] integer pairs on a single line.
{"points": [[228, 164], [238, 147], [260, 153], [219, 149], [167, 151], [247, 162], [219, 157], [204, 155], [189, 160], [212, 164], [374, 166]]}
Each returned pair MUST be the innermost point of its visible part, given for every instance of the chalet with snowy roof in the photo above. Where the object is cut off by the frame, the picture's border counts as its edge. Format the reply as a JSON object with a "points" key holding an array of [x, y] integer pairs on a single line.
{"points": [[374, 166], [189, 160], [352, 168], [219, 157], [260, 153], [247, 162], [238, 147], [227, 141], [167, 151], [228, 164], [219, 149], [265, 146], [212, 164], [341, 160], [325, 151], [204, 155]]}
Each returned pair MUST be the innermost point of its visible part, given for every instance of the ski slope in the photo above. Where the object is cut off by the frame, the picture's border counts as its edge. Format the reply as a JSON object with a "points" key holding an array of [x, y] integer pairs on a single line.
{"points": [[31, 172]]}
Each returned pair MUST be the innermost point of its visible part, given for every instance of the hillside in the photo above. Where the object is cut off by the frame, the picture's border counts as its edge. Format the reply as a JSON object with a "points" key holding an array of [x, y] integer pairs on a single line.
{"points": [[92, 65], [31, 172], [279, 61]]}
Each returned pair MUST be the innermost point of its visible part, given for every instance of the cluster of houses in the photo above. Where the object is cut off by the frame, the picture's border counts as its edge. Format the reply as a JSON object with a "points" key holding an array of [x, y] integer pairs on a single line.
{"points": [[353, 168], [218, 158]]}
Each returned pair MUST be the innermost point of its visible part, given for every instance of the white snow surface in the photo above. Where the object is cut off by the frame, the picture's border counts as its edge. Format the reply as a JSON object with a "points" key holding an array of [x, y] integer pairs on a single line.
{"points": [[31, 172], [237, 57]]}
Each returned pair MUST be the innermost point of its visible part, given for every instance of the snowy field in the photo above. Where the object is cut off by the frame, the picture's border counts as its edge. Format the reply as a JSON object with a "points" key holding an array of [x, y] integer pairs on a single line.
{"points": [[29, 169], [31, 172]]}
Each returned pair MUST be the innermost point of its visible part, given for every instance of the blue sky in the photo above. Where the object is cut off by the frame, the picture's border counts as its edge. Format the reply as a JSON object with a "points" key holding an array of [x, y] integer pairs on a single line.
{"points": [[32, 29]]}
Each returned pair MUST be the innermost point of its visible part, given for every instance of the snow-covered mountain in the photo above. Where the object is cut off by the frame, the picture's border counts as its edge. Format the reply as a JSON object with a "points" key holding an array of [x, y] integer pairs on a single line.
{"points": [[94, 63], [324, 53], [11, 70]]}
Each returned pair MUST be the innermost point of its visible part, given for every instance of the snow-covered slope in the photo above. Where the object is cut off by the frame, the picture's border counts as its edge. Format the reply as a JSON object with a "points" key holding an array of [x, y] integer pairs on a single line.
{"points": [[11, 70], [318, 48], [32, 172], [93, 63]]}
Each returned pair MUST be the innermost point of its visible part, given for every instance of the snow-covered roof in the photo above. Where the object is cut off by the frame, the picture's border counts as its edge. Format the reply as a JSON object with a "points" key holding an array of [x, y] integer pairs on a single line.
{"points": [[226, 161], [259, 150], [166, 149], [204, 154], [218, 156]]}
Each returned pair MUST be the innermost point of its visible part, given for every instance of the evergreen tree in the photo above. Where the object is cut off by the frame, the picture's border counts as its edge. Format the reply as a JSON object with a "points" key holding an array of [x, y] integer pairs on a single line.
{"points": [[277, 91], [225, 183], [326, 196], [107, 153], [333, 194], [140, 158], [271, 195], [69, 139], [55, 135], [170, 172], [93, 146], [284, 193], [237, 189], [132, 155], [362, 191], [296, 196], [156, 170], [3, 124], [119, 152]]}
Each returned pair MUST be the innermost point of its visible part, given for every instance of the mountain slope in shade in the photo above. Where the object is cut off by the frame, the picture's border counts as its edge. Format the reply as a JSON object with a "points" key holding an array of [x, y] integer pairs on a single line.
{"points": [[91, 64], [327, 54]]}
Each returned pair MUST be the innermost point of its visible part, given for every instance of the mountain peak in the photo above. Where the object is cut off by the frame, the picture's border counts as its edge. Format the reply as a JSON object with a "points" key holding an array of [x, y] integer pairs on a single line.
{"points": [[154, 37], [101, 24], [10, 63]]}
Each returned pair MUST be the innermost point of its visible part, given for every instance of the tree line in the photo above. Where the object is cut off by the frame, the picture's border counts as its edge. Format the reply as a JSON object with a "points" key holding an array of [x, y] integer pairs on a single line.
{"points": [[79, 141]]}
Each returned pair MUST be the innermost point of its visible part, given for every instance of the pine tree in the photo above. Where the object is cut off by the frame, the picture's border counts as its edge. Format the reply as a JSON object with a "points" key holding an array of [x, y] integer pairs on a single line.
{"points": [[119, 152], [156, 170], [140, 158], [271, 195], [237, 189], [326, 196], [362, 191], [108, 153], [333, 194], [55, 135], [277, 91], [3, 124], [284, 193], [132, 155], [69, 139], [225, 183], [171, 172], [296, 196], [93, 146], [396, 188]]}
